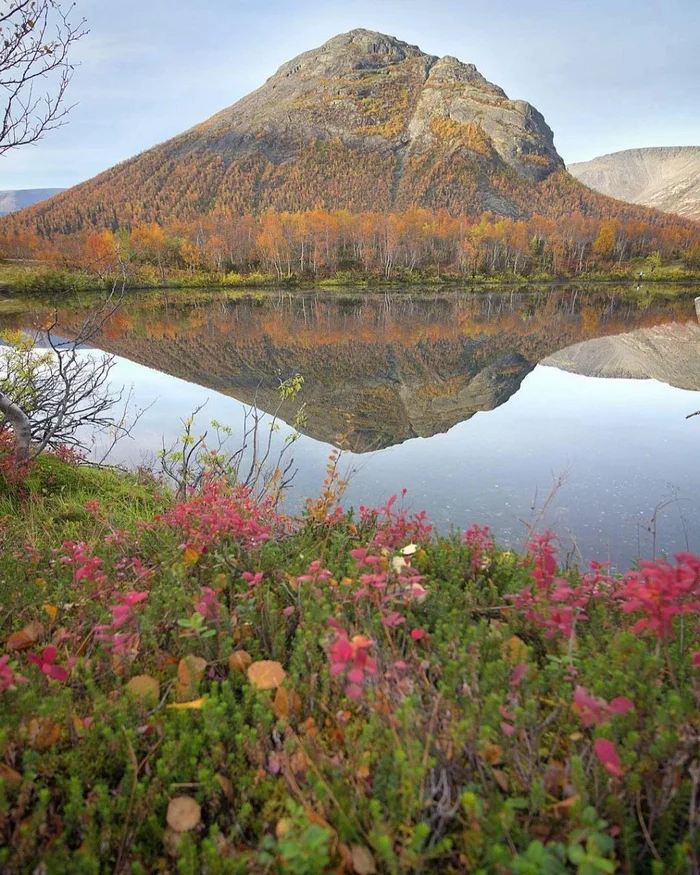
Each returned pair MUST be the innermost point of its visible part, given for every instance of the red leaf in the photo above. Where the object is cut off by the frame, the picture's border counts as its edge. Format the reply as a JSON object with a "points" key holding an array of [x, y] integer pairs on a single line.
{"points": [[621, 705], [607, 754]]}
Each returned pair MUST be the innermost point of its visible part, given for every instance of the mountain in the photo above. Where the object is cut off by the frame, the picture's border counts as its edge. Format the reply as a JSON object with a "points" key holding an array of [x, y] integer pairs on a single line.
{"points": [[378, 369], [666, 177], [667, 353], [10, 201], [365, 122]]}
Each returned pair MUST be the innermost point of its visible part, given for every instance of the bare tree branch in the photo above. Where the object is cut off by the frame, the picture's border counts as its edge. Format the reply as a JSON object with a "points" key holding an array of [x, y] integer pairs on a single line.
{"points": [[36, 37]]}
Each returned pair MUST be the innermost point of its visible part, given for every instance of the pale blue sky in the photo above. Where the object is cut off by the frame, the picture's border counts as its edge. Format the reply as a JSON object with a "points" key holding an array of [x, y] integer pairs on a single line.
{"points": [[606, 74]]}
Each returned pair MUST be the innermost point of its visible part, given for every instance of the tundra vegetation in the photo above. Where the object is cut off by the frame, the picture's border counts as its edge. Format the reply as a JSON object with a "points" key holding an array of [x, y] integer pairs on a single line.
{"points": [[205, 684]]}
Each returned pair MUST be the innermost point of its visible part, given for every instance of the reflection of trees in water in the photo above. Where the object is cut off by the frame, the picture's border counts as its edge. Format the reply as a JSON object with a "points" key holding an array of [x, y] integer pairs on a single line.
{"points": [[391, 365]]}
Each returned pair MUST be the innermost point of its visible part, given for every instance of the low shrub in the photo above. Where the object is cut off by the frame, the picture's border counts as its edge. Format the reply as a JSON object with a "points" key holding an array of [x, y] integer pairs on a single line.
{"points": [[210, 686]]}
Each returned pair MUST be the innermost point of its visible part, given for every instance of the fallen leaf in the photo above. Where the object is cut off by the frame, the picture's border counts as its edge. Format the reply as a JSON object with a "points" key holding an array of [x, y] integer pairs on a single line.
{"points": [[566, 803], [501, 779], [194, 705], [286, 702], [226, 786], [184, 814], [26, 637], [190, 670], [492, 753], [299, 762], [143, 685], [266, 674], [282, 827], [9, 775], [44, 733], [239, 660], [362, 861]]}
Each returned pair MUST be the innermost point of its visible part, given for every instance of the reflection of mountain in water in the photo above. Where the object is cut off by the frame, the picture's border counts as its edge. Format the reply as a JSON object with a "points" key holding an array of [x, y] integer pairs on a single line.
{"points": [[668, 353], [378, 369]]}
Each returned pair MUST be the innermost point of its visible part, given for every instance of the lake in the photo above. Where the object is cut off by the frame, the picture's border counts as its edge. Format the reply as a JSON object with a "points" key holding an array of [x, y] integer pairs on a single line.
{"points": [[563, 409]]}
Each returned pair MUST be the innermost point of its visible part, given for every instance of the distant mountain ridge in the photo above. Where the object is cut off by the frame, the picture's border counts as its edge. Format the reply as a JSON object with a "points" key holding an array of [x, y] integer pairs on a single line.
{"points": [[13, 200], [668, 353], [664, 177], [364, 122]]}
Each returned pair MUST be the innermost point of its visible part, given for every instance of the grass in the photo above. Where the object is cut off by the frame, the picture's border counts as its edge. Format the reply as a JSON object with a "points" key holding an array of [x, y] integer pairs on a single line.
{"points": [[210, 687], [33, 278]]}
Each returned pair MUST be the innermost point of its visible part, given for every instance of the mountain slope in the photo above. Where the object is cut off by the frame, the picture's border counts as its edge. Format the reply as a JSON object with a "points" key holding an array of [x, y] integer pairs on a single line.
{"points": [[668, 353], [666, 178], [363, 122], [10, 201]]}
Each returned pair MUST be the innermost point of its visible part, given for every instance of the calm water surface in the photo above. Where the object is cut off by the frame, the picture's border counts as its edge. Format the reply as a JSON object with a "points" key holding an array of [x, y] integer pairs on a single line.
{"points": [[563, 410]]}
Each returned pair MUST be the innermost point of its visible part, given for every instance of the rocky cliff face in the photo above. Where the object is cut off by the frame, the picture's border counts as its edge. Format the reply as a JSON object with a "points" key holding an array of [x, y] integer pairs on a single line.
{"points": [[365, 122], [666, 178], [376, 93]]}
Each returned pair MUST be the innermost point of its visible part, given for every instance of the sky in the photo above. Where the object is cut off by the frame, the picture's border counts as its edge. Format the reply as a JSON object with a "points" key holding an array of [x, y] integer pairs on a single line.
{"points": [[606, 74]]}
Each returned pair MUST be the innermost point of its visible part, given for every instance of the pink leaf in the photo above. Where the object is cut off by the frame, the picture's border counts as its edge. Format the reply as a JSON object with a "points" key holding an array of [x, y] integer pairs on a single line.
{"points": [[352, 691], [607, 754], [621, 705], [417, 634], [507, 729], [518, 674], [49, 654]]}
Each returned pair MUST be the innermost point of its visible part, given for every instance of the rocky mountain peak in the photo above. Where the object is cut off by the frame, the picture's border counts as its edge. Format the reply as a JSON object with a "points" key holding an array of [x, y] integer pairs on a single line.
{"points": [[363, 122]]}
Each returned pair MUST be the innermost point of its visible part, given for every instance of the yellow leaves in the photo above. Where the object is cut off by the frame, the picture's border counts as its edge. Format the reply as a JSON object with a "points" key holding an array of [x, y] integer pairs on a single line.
{"points": [[190, 557], [26, 637], [239, 661], [194, 705], [362, 861], [514, 650], [184, 814], [52, 612], [143, 686], [266, 674]]}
